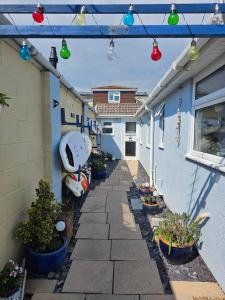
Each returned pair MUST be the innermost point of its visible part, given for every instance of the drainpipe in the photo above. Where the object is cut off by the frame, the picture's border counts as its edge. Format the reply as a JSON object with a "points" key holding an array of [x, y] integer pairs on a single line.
{"points": [[151, 175]]}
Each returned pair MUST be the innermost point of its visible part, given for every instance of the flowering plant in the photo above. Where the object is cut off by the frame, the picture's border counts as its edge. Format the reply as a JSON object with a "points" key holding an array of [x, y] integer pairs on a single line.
{"points": [[10, 278]]}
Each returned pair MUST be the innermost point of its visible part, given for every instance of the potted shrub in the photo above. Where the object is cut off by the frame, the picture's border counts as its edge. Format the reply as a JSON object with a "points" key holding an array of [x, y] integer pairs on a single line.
{"points": [[150, 203], [145, 189], [3, 98], [109, 156], [67, 217], [98, 169], [45, 247], [177, 235], [11, 281]]}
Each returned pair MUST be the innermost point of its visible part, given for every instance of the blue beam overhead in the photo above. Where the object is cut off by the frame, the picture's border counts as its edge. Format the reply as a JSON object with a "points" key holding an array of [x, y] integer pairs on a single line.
{"points": [[190, 8], [104, 31]]}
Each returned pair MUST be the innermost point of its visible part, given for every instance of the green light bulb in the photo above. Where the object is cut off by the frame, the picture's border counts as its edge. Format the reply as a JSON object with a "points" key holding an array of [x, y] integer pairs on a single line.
{"points": [[81, 18], [65, 52], [173, 18], [193, 53]]}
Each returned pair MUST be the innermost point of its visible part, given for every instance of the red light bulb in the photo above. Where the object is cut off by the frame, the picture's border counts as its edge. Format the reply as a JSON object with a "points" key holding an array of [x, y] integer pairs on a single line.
{"points": [[156, 53], [38, 14]]}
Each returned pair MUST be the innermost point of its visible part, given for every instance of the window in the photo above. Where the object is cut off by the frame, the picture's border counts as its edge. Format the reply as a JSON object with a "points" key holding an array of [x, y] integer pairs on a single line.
{"points": [[162, 128], [130, 127], [209, 135], [114, 97], [148, 131], [107, 128]]}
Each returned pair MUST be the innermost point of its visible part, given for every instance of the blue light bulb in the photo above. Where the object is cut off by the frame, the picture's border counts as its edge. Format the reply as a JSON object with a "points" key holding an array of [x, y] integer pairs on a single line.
{"points": [[128, 19], [24, 51]]}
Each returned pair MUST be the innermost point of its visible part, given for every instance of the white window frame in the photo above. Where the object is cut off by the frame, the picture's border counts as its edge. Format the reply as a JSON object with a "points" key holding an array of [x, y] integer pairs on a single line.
{"points": [[160, 113], [108, 126], [115, 93], [216, 97], [148, 141]]}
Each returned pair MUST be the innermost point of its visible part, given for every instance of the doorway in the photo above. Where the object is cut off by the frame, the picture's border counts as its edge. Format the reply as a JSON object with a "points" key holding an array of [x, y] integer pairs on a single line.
{"points": [[130, 141]]}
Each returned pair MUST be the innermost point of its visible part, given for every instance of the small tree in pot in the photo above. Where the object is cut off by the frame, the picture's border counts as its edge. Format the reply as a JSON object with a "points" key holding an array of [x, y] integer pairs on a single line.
{"points": [[46, 249], [150, 203], [98, 169]]}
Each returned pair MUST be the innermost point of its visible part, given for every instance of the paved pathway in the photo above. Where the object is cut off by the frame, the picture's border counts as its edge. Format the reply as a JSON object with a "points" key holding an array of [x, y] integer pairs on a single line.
{"points": [[110, 258]]}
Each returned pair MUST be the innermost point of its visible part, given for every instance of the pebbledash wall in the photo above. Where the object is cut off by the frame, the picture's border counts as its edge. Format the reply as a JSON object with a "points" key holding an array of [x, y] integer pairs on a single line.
{"points": [[30, 131], [187, 186]]}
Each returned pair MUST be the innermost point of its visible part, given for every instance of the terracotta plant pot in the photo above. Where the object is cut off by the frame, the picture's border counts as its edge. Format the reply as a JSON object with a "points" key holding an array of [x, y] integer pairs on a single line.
{"points": [[178, 254], [151, 209]]}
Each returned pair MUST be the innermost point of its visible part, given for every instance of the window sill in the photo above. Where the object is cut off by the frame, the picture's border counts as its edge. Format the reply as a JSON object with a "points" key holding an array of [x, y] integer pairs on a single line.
{"points": [[206, 162], [111, 134], [148, 146], [161, 147]]}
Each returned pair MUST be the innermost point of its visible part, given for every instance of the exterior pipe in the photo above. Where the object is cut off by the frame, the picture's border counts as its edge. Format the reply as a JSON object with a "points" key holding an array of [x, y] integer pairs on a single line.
{"points": [[152, 181]]}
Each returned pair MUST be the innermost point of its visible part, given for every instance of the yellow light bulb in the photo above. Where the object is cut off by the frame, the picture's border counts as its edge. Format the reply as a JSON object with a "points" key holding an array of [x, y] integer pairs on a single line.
{"points": [[81, 18], [193, 52]]}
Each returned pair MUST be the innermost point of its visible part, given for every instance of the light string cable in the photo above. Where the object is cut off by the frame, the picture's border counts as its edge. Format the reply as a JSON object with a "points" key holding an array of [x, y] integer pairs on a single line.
{"points": [[188, 26], [96, 23], [75, 14], [47, 18], [14, 23]]}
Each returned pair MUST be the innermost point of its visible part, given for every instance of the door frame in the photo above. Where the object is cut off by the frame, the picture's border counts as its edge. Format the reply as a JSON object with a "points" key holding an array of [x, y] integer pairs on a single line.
{"points": [[123, 139]]}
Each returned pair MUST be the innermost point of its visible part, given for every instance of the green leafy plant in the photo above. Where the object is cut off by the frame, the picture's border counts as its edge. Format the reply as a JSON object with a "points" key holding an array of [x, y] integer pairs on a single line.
{"points": [[3, 98], [149, 199], [39, 232], [97, 156], [109, 156], [98, 165], [179, 230], [10, 278]]}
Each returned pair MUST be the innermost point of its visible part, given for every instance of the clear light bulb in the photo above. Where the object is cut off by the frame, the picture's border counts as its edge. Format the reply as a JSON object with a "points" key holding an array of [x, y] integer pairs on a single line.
{"points": [[128, 19], [217, 17], [193, 52], [25, 52], [81, 18], [111, 55]]}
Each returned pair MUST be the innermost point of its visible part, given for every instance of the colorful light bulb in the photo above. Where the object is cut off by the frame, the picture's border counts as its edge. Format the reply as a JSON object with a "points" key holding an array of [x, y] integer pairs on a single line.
{"points": [[128, 19], [217, 17], [38, 14], [81, 18], [193, 53], [173, 18], [65, 52], [111, 55], [156, 53], [24, 51]]}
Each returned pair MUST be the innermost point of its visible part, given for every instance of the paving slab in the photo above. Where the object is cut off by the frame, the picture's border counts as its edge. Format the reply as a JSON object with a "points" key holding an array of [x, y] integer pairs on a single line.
{"points": [[97, 193], [136, 277], [111, 181], [93, 231], [129, 250], [117, 206], [94, 204], [59, 296], [196, 289], [121, 188], [89, 277], [117, 196], [92, 250], [120, 232], [121, 218], [159, 297], [40, 286], [112, 297], [94, 218], [136, 203], [103, 188]]}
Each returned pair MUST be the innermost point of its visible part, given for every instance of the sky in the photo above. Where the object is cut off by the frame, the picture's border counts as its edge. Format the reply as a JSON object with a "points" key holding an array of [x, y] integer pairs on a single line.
{"points": [[88, 66]]}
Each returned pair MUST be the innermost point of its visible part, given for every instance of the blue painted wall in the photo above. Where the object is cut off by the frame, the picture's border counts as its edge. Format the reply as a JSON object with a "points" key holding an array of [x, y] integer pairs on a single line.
{"points": [[144, 151], [113, 143], [191, 187]]}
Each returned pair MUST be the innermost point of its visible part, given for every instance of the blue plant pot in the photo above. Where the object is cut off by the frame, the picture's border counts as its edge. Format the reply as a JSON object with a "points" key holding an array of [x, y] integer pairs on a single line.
{"points": [[145, 192], [44, 263], [150, 209], [99, 174], [177, 255]]}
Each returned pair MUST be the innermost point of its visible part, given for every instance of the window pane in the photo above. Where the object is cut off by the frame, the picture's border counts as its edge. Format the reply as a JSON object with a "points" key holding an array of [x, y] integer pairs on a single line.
{"points": [[210, 130], [211, 83], [116, 98], [107, 123], [110, 96], [130, 149], [130, 127], [107, 130]]}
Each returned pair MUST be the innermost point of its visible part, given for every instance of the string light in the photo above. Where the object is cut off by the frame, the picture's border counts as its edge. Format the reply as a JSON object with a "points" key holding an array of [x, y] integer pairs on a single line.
{"points": [[24, 51], [128, 19], [111, 55], [81, 18], [173, 18], [156, 53], [38, 14], [65, 52], [193, 53], [217, 16]]}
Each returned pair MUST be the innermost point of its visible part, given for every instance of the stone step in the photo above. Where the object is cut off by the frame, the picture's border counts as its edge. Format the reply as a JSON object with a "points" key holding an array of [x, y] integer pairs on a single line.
{"points": [[93, 231], [93, 218], [92, 250], [60, 296], [40, 286], [89, 277]]}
